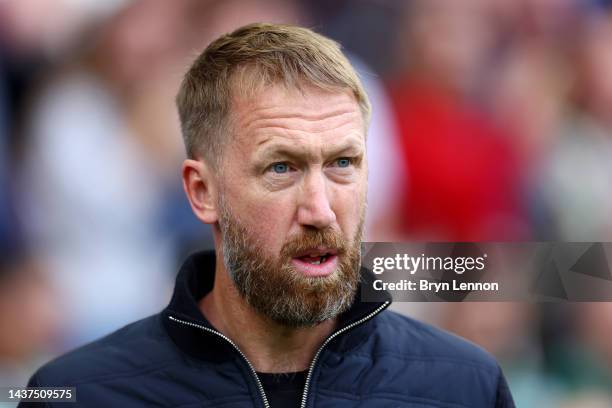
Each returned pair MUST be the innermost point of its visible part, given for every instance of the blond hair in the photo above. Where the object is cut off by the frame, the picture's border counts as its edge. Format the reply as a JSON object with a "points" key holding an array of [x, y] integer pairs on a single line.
{"points": [[256, 55]]}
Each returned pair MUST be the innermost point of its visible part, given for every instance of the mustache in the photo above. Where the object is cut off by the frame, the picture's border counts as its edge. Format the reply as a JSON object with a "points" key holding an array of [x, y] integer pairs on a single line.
{"points": [[309, 239]]}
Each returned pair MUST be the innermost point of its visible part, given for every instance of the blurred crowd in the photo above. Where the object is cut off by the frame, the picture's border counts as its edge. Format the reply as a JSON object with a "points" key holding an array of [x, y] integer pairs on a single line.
{"points": [[492, 121]]}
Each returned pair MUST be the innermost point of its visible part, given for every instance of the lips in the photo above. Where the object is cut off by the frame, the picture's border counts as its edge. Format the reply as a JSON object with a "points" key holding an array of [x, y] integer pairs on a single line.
{"points": [[316, 256], [316, 261]]}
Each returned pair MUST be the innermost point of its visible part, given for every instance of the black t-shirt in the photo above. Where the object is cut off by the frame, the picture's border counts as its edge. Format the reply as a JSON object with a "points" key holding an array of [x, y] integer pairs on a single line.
{"points": [[283, 389]]}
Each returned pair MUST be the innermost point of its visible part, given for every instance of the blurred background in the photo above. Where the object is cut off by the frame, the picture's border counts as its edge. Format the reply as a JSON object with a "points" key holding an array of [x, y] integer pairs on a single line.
{"points": [[492, 122]]}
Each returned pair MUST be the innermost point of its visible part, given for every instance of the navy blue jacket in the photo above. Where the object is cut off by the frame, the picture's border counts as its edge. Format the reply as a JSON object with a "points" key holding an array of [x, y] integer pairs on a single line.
{"points": [[377, 358]]}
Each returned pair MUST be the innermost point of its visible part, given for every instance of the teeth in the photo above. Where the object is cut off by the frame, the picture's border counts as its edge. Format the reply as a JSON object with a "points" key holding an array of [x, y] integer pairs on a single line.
{"points": [[319, 261], [317, 254]]}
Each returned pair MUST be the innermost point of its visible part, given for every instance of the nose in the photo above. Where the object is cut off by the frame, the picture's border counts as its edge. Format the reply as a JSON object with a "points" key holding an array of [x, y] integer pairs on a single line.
{"points": [[314, 208]]}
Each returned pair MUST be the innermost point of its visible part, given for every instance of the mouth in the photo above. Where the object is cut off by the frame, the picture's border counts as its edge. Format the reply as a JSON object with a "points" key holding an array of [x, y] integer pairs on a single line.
{"points": [[316, 256], [316, 261]]}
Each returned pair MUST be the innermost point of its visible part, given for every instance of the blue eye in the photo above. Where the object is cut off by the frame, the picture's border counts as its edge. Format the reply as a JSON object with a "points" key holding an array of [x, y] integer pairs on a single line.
{"points": [[343, 162], [280, 167]]}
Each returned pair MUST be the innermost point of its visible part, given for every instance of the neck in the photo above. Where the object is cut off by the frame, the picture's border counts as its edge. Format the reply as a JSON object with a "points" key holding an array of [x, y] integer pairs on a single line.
{"points": [[269, 346]]}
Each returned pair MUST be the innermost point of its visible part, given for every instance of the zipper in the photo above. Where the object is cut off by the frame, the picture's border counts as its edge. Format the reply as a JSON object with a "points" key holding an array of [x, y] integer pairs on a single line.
{"points": [[208, 329], [312, 364], [330, 338]]}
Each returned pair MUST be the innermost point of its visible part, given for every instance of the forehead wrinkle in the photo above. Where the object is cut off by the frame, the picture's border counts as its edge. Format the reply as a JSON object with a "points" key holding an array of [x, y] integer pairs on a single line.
{"points": [[299, 123], [313, 106], [278, 112], [262, 136], [282, 112]]}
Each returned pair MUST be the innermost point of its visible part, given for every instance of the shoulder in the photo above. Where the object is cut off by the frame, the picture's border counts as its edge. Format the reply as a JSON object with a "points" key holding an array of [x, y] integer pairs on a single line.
{"points": [[414, 340], [410, 362], [138, 347]]}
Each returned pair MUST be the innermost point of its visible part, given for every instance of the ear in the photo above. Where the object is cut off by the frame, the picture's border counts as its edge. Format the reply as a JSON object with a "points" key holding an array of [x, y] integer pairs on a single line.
{"points": [[201, 188]]}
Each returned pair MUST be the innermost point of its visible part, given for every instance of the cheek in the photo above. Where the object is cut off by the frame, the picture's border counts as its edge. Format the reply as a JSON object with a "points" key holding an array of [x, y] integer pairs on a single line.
{"points": [[348, 205], [268, 216]]}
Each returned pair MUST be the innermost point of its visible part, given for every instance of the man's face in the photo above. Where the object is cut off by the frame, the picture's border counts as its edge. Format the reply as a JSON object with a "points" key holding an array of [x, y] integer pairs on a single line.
{"points": [[292, 202]]}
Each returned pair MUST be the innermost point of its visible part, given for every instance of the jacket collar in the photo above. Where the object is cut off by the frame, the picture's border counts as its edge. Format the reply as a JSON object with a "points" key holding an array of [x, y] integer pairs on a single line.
{"points": [[196, 278]]}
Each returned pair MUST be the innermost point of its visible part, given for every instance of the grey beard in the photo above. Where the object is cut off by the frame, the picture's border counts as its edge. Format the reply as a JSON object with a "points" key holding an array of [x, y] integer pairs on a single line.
{"points": [[276, 290]]}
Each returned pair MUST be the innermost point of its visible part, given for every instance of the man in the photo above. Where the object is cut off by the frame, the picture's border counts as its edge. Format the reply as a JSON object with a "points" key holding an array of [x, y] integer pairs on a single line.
{"points": [[274, 120]]}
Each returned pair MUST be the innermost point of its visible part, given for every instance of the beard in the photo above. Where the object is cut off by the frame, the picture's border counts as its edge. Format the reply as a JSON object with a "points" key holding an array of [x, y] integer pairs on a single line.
{"points": [[273, 286]]}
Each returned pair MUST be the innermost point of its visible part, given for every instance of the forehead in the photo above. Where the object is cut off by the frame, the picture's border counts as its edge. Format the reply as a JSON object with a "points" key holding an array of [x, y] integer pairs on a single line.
{"points": [[304, 113]]}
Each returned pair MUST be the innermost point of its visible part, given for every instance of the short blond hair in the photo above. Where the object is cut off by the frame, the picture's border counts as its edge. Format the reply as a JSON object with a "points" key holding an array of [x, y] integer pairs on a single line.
{"points": [[261, 55]]}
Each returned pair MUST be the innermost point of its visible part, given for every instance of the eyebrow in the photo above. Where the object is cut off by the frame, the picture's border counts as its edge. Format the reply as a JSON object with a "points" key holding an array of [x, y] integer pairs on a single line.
{"points": [[282, 150]]}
